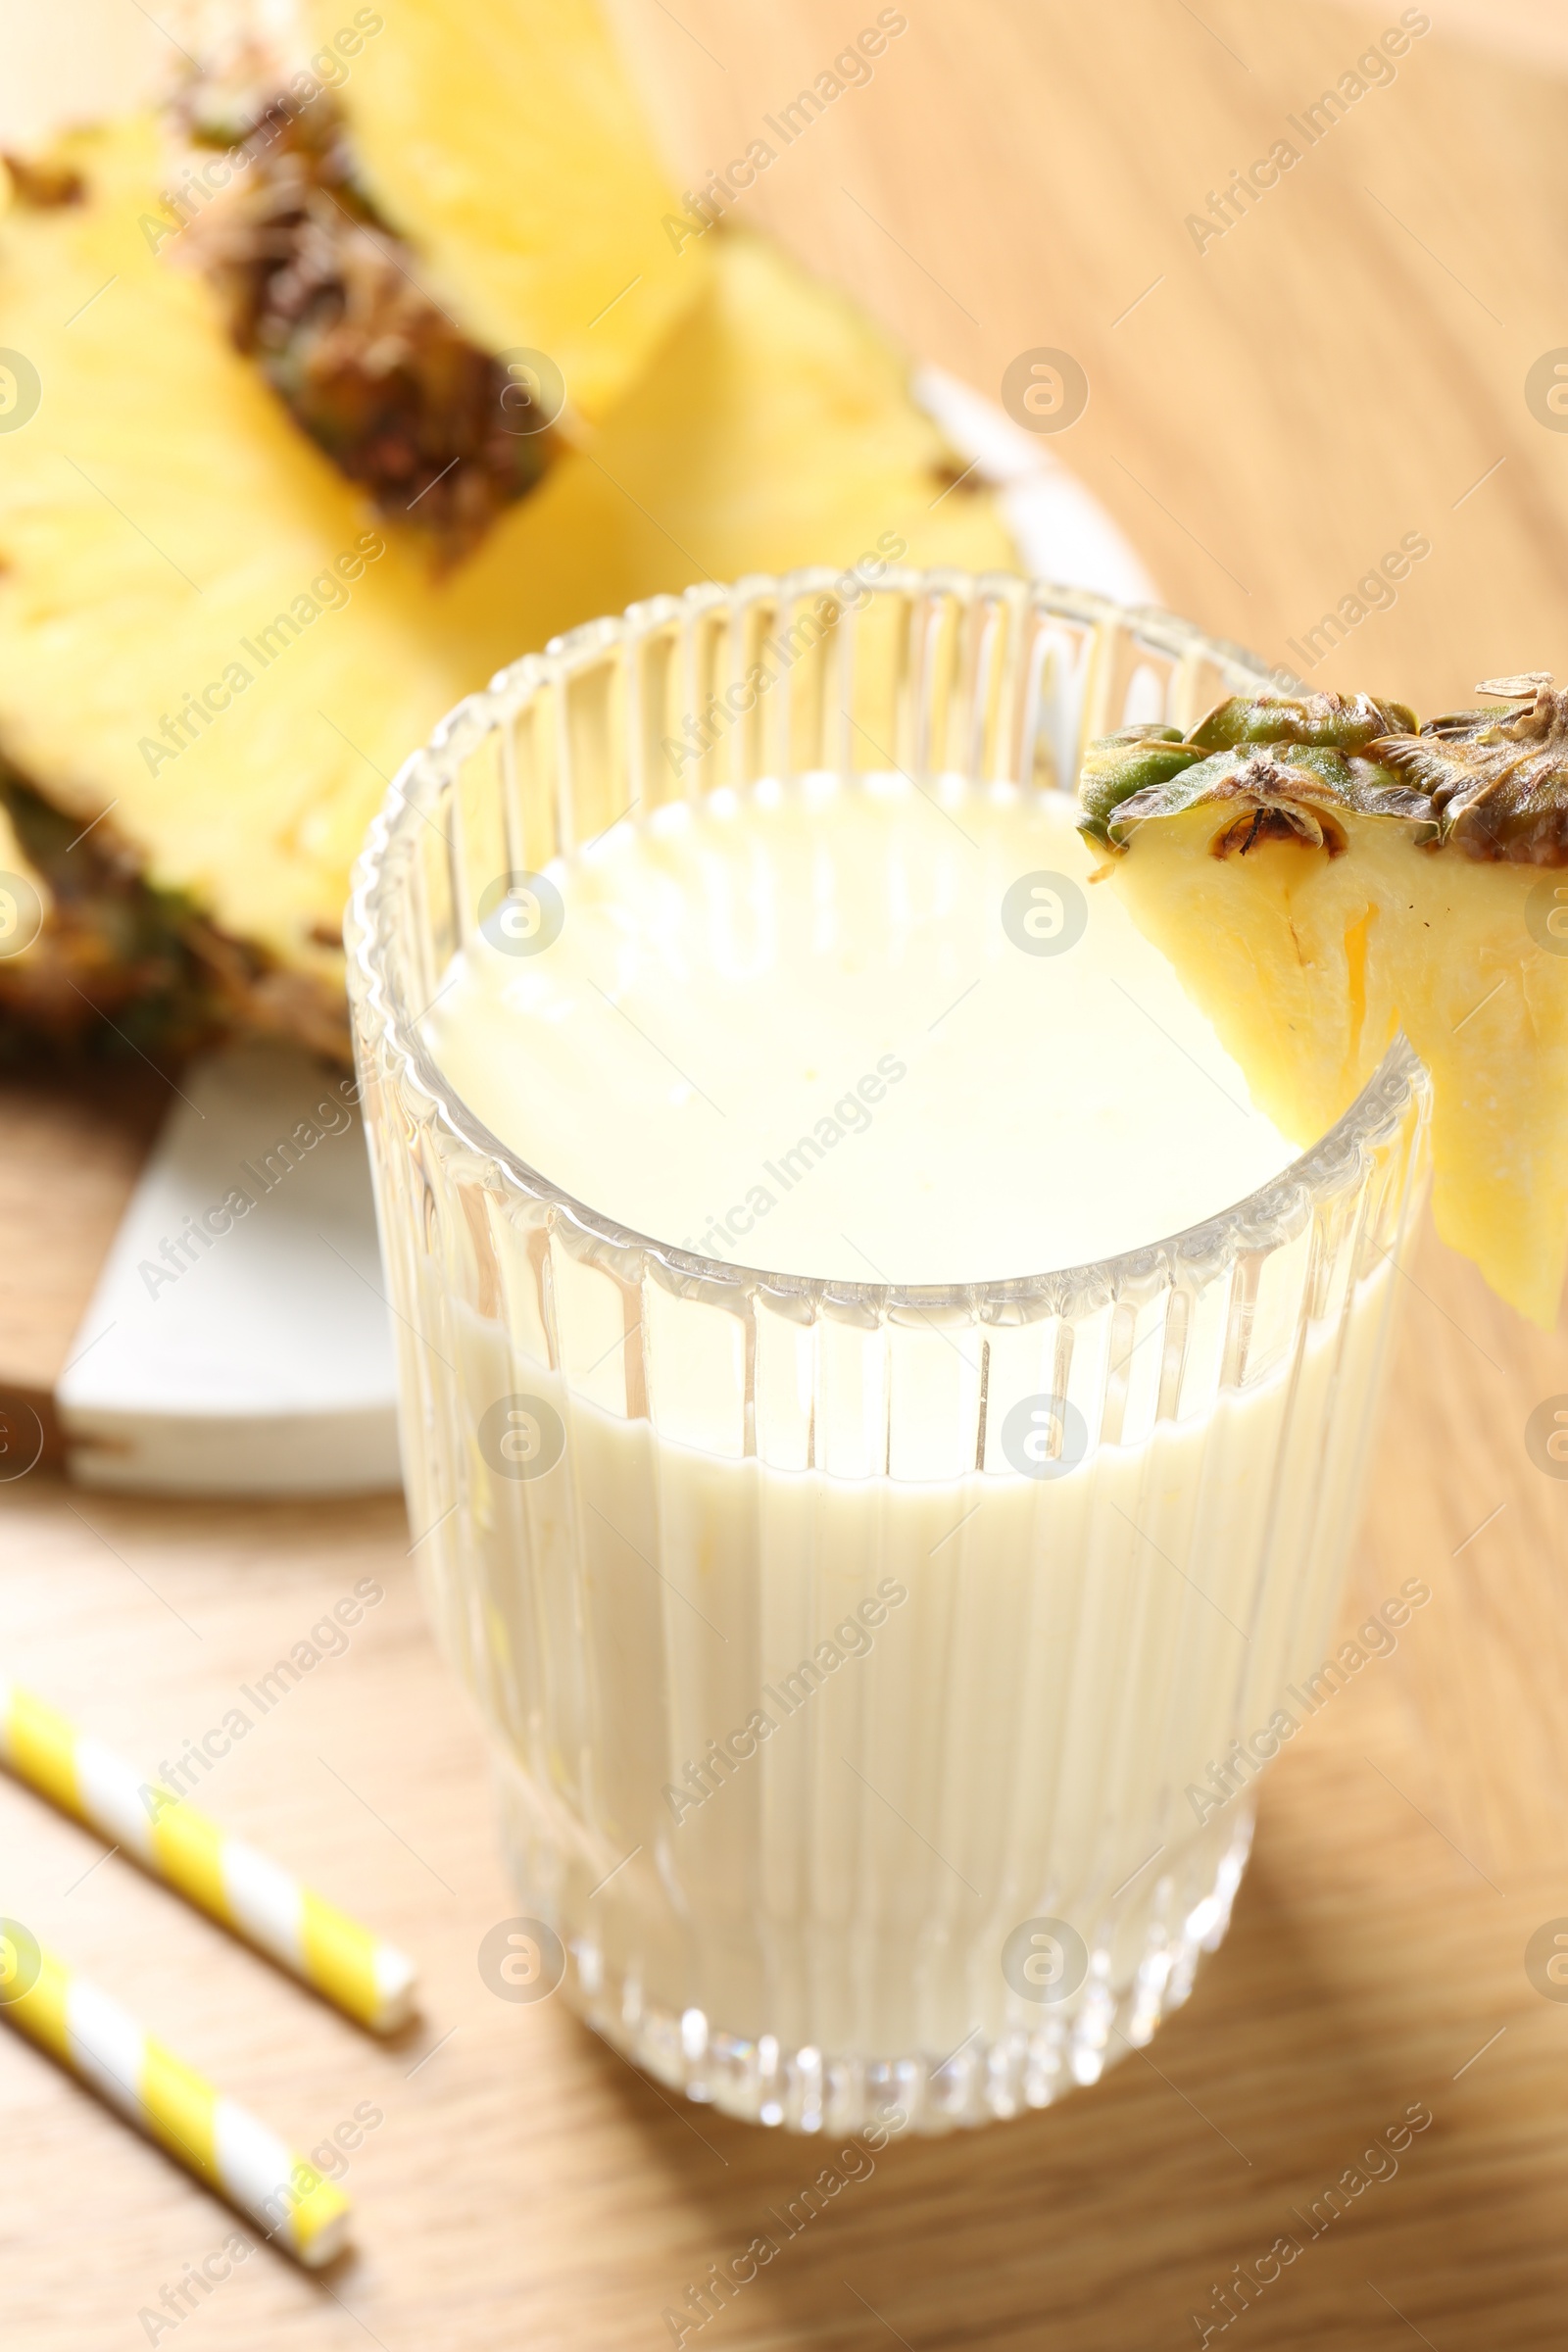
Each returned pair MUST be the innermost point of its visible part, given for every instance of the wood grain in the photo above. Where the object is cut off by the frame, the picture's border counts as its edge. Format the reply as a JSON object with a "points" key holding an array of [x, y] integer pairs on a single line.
{"points": [[1338, 369]]}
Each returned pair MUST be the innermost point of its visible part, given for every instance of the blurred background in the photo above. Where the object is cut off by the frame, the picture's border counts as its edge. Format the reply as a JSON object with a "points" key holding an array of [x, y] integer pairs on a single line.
{"points": [[1283, 391]]}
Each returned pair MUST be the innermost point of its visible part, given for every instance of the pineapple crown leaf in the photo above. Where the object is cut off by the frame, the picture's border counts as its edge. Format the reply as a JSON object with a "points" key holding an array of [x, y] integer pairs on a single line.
{"points": [[1293, 760], [1290, 792], [1339, 722], [1497, 779], [1118, 767]]}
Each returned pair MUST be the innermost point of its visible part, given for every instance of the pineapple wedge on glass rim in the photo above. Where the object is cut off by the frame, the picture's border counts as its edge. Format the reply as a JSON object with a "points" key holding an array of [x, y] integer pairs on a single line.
{"points": [[1322, 873]]}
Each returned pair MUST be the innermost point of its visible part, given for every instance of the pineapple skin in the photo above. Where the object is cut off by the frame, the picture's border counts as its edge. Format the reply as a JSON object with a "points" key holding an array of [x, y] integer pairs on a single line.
{"points": [[1308, 963], [162, 510]]}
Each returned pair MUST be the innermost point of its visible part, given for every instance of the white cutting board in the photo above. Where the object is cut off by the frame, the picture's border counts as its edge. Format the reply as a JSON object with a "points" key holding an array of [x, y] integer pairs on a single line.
{"points": [[235, 1348]]}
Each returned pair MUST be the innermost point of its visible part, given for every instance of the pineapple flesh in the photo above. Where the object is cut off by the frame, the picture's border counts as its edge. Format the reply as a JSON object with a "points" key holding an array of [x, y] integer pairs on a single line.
{"points": [[216, 653], [1323, 874]]}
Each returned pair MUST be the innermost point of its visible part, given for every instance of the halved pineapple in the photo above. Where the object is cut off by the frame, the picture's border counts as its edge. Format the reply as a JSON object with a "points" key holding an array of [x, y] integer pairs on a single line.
{"points": [[207, 640], [505, 142], [1322, 875]]}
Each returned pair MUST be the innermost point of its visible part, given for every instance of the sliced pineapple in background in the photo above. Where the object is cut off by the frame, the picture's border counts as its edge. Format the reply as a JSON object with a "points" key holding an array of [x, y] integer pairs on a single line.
{"points": [[110, 947], [166, 532], [505, 142], [1322, 876]]}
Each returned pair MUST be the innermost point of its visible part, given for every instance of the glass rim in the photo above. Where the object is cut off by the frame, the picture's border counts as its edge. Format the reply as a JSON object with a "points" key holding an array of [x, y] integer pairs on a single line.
{"points": [[1260, 1219]]}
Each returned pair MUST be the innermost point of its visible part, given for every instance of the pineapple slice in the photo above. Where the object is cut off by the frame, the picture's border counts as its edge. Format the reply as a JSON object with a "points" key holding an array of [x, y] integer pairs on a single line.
{"points": [[1322, 875], [505, 142], [207, 640], [325, 300]]}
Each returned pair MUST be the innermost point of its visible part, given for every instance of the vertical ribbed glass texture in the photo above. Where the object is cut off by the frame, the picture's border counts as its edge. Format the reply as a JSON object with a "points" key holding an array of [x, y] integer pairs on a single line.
{"points": [[853, 1768]]}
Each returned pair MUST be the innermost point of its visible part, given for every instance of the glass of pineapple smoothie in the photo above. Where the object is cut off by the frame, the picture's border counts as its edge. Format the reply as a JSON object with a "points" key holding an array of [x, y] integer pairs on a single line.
{"points": [[883, 1411]]}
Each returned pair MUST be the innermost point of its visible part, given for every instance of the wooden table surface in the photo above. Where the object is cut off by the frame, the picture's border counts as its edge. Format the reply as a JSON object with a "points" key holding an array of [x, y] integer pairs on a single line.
{"points": [[1266, 418]]}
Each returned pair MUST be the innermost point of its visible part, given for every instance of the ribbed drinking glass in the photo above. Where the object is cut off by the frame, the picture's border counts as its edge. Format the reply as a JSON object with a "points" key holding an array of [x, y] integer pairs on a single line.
{"points": [[1016, 1574]]}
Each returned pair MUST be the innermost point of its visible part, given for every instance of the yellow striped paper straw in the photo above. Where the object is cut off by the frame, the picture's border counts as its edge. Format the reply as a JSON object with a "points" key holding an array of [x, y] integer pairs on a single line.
{"points": [[221, 2142], [224, 1876]]}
